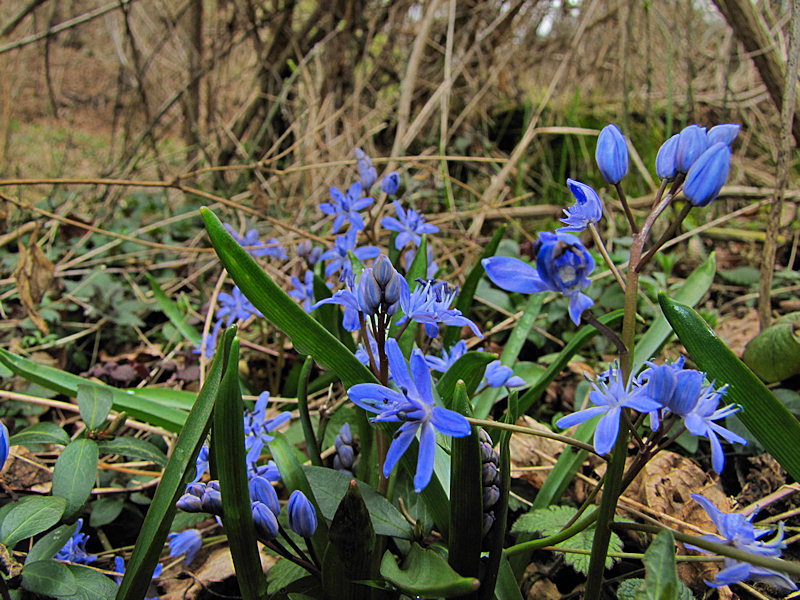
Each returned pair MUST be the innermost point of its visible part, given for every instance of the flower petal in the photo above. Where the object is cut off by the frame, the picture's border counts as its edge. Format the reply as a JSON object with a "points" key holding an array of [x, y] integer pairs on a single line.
{"points": [[514, 275], [400, 444], [427, 454], [374, 397], [605, 436], [580, 416], [449, 422], [422, 376]]}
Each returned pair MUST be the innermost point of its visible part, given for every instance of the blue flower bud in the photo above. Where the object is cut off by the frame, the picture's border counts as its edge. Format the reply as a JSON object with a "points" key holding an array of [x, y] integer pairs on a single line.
{"points": [[213, 485], [302, 516], [261, 490], [489, 473], [725, 133], [344, 458], [390, 183], [3, 445], [344, 436], [588, 208], [391, 293], [490, 496], [612, 154], [366, 171], [195, 489], [212, 501], [665, 159], [190, 503], [692, 142], [487, 453], [708, 174], [265, 522], [383, 270], [488, 521], [368, 292]]}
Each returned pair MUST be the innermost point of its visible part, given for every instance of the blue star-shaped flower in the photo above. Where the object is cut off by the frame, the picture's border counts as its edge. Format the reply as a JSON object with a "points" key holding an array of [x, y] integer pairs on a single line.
{"points": [[588, 208], [429, 303], [448, 359], [413, 406], [187, 543], [346, 207], [304, 290], [339, 258], [410, 226]]}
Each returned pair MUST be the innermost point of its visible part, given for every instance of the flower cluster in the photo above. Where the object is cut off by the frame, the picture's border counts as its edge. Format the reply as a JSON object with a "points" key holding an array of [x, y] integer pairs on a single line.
{"points": [[409, 225], [663, 391], [339, 257], [254, 246], [74, 550], [430, 303], [490, 479], [232, 307], [412, 404], [738, 531]]}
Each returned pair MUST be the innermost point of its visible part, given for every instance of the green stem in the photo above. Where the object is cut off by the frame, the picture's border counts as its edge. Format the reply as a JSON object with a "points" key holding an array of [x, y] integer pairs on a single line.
{"points": [[528, 431], [598, 241], [305, 417], [557, 538]]}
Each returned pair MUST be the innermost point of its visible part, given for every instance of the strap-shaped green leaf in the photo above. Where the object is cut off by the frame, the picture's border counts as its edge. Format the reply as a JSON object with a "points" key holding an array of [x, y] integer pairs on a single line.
{"points": [[308, 336], [174, 314], [228, 448], [158, 520], [762, 413]]}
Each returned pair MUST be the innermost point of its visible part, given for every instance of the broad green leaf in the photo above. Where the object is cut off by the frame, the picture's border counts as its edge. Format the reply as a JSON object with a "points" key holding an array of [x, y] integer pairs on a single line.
{"points": [[65, 383], [308, 336], [28, 518], [156, 524], [174, 314], [661, 581], [469, 368], [167, 397], [47, 546], [741, 275], [106, 509], [228, 449], [75, 473], [467, 295], [330, 486], [762, 413], [282, 574], [774, 354], [551, 520], [48, 578], [133, 447], [91, 584], [425, 573], [94, 402], [40, 433], [691, 292]]}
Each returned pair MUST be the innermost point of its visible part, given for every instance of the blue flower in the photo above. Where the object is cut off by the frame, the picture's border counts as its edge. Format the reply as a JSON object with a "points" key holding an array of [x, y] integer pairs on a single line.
{"points": [[588, 209], [345, 208], [3, 444], [499, 375], [701, 422], [345, 456], [410, 254], [429, 303], [302, 516], [708, 174], [366, 171], [390, 183], [562, 265], [235, 306], [692, 142], [413, 406], [304, 290], [738, 531], [612, 154], [609, 396], [186, 542], [448, 359], [410, 226], [310, 253], [119, 569], [265, 521], [254, 246], [257, 428], [725, 133], [74, 550], [201, 464], [339, 258], [261, 490], [665, 159]]}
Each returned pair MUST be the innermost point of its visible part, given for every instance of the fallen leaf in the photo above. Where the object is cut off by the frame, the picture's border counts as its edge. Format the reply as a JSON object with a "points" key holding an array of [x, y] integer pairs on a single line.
{"points": [[34, 276], [529, 451]]}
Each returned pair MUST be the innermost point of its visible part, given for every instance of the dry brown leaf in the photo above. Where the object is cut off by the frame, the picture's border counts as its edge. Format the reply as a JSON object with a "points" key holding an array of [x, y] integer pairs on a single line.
{"points": [[544, 589], [34, 276], [737, 332], [529, 450]]}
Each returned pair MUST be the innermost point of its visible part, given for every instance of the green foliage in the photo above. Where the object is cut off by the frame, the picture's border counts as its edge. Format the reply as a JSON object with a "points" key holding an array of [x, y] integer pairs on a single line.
{"points": [[49, 578], [30, 516], [94, 402], [48, 545], [774, 354], [134, 447], [661, 581], [40, 433], [75, 473], [425, 573], [551, 520]]}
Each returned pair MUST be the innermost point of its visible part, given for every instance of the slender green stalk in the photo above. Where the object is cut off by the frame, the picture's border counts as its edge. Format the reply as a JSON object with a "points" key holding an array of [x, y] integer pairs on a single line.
{"points": [[559, 537], [305, 417], [598, 241], [537, 432]]}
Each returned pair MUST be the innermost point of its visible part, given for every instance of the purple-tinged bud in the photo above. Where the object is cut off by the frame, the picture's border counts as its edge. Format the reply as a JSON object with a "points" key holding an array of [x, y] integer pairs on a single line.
{"points": [[488, 521], [265, 522], [190, 503], [369, 293], [383, 270], [390, 183], [195, 489], [612, 154], [261, 490], [484, 437], [213, 485], [212, 501], [487, 453], [665, 159], [344, 436], [391, 293], [489, 473], [692, 142], [344, 458], [304, 248], [491, 495], [708, 174], [366, 171], [302, 516], [725, 133]]}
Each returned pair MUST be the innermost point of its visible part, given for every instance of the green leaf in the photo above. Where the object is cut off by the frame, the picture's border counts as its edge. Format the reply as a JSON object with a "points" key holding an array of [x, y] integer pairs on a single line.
{"points": [[174, 314], [308, 336], [329, 486], [48, 578], [75, 473], [40, 433], [34, 515], [282, 574], [156, 524], [469, 368], [691, 292], [741, 275], [105, 510], [47, 547], [506, 587], [762, 413], [228, 449], [425, 573], [94, 402], [661, 581], [133, 447], [91, 584], [65, 383], [551, 520], [774, 354]]}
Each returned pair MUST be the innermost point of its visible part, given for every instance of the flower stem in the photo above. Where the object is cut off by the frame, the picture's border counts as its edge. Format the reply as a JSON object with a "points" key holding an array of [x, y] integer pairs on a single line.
{"points": [[529, 431], [604, 251], [673, 227], [627, 208]]}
